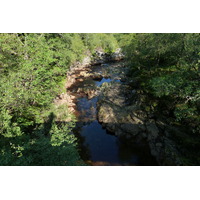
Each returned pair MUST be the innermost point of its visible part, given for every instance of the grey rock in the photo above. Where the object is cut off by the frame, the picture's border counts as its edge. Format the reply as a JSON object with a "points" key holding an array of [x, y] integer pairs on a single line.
{"points": [[132, 129], [152, 130]]}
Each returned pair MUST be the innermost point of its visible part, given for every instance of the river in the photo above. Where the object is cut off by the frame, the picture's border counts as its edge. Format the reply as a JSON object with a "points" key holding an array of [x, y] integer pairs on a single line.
{"points": [[98, 146]]}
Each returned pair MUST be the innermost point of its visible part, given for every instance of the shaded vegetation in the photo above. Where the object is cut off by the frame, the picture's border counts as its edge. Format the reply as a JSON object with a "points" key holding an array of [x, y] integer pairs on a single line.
{"points": [[166, 68]]}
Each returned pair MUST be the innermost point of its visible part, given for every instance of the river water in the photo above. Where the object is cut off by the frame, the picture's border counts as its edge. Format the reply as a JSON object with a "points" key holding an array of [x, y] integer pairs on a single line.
{"points": [[98, 146]]}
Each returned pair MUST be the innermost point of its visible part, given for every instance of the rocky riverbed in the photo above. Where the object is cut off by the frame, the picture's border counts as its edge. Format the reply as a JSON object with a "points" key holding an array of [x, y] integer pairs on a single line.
{"points": [[104, 145], [119, 111], [110, 111]]}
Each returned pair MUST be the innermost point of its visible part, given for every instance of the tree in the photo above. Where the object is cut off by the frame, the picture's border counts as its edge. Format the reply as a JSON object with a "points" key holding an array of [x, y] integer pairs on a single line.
{"points": [[167, 67]]}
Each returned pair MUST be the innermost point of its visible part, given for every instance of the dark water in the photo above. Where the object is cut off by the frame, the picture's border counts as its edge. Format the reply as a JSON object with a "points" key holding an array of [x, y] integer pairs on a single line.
{"points": [[99, 146]]}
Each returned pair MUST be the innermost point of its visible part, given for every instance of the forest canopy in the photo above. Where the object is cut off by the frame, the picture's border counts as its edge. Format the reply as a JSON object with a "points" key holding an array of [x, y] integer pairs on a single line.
{"points": [[166, 66]]}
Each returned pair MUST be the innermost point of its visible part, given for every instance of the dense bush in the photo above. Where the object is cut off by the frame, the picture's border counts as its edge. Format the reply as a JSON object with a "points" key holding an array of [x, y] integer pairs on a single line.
{"points": [[166, 66], [99, 40]]}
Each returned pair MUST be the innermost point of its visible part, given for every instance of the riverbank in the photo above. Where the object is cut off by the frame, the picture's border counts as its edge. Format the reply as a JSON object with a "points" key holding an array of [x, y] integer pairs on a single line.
{"points": [[99, 146], [78, 72], [103, 93]]}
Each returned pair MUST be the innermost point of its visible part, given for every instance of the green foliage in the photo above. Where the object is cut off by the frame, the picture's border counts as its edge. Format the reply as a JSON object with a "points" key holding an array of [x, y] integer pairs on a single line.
{"points": [[167, 67], [32, 72], [166, 85], [33, 68], [106, 41], [59, 148], [124, 39], [8, 129], [62, 113]]}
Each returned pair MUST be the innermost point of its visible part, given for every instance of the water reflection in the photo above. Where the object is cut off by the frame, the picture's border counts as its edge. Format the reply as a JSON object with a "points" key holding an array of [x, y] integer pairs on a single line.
{"points": [[87, 109], [103, 147]]}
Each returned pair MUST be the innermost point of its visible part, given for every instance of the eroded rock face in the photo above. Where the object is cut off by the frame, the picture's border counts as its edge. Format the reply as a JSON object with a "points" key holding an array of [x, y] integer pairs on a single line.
{"points": [[115, 114], [153, 130], [128, 119]]}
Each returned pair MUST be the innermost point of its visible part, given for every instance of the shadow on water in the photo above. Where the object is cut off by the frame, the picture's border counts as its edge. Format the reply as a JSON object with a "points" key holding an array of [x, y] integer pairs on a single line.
{"points": [[100, 146], [97, 145]]}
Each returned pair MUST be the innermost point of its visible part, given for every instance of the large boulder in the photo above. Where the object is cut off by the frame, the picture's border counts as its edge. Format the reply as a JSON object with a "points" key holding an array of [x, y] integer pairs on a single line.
{"points": [[115, 115]]}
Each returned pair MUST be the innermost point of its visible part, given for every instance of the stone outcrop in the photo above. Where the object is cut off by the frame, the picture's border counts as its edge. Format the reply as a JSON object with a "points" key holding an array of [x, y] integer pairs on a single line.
{"points": [[115, 114], [127, 119]]}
